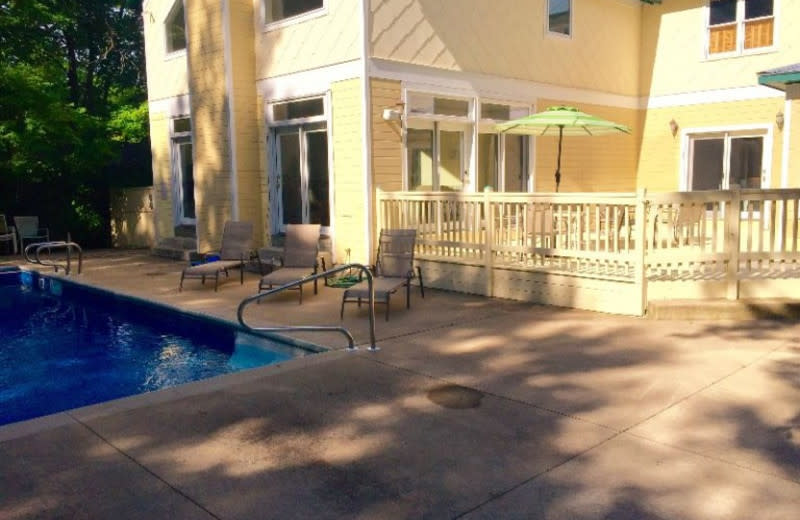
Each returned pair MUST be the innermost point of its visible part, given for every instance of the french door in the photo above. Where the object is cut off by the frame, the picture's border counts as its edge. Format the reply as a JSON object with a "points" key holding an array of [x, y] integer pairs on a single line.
{"points": [[300, 157], [720, 160], [183, 181]]}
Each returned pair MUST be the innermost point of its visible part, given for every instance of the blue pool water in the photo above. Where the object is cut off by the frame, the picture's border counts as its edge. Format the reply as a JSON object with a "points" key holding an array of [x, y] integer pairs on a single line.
{"points": [[63, 346]]}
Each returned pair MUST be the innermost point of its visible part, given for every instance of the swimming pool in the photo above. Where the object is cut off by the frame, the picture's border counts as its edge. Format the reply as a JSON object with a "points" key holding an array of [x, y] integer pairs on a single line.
{"points": [[65, 345]]}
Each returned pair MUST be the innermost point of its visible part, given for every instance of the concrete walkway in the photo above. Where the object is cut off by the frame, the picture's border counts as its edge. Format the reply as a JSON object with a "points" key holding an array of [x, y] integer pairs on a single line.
{"points": [[473, 408]]}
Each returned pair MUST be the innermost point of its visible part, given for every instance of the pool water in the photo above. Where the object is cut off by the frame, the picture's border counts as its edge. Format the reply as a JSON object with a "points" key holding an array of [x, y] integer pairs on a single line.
{"points": [[63, 346]]}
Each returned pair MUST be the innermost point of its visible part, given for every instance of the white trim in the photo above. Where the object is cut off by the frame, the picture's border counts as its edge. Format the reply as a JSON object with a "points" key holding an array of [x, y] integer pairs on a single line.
{"points": [[229, 94], [308, 83], [168, 54], [712, 96], [178, 106], [291, 20], [472, 84], [787, 134], [366, 118], [174, 55]]}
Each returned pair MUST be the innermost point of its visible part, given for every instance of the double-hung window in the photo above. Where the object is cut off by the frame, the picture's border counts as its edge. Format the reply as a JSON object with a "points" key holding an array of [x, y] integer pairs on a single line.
{"points": [[740, 26]]}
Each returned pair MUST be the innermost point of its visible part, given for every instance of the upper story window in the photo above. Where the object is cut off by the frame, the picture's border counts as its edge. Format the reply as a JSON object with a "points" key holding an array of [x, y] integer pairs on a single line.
{"points": [[175, 26], [737, 26], [559, 17], [279, 10]]}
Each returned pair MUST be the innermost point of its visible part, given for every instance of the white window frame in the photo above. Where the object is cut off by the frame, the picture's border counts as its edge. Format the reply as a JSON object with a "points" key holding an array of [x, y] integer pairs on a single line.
{"points": [[274, 127], [168, 54], [555, 34], [727, 132], [292, 20], [740, 32], [176, 140]]}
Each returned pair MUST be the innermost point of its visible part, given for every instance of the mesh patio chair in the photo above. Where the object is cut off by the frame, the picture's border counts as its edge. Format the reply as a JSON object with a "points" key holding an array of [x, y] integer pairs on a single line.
{"points": [[237, 243], [299, 259], [28, 230], [394, 269], [8, 235]]}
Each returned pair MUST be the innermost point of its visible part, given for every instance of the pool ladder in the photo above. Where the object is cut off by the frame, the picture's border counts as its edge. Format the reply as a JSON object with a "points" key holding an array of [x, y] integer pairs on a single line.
{"points": [[313, 328], [68, 246]]}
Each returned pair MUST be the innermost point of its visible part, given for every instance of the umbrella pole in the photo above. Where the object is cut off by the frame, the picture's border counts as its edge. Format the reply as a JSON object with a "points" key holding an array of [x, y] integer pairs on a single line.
{"points": [[558, 163]]}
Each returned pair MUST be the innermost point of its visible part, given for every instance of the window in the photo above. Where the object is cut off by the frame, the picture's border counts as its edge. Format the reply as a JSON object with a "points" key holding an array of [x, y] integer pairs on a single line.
{"points": [[502, 158], [559, 17], [720, 160], [182, 171], [737, 26], [279, 10], [300, 176], [176, 28]]}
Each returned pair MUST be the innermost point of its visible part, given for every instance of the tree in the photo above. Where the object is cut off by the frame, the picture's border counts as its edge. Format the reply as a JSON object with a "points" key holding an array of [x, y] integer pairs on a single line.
{"points": [[72, 104]]}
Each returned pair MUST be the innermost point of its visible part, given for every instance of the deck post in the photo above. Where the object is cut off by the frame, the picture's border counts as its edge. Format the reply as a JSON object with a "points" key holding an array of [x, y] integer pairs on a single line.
{"points": [[732, 241], [640, 248], [488, 257]]}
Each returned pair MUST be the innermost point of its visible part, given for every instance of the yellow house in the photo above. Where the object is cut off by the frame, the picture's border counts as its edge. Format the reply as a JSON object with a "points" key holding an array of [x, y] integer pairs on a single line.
{"points": [[286, 111]]}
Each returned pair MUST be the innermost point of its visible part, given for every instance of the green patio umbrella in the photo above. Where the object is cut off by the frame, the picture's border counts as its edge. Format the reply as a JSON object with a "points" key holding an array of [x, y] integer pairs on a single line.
{"points": [[561, 121]]}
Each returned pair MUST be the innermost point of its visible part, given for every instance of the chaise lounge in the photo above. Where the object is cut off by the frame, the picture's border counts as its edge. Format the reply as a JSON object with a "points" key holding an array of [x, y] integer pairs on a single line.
{"points": [[237, 242]]}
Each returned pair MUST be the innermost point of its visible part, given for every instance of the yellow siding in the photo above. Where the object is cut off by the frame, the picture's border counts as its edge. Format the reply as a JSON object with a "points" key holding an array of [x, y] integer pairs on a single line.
{"points": [[162, 174], [602, 163], [212, 176], [673, 39], [509, 39], [248, 165], [350, 212], [325, 40], [166, 76], [660, 156], [387, 140]]}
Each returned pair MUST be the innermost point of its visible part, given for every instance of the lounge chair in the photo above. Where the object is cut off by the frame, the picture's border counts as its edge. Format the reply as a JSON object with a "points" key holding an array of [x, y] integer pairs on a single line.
{"points": [[8, 234], [237, 242], [299, 259], [394, 268], [28, 230]]}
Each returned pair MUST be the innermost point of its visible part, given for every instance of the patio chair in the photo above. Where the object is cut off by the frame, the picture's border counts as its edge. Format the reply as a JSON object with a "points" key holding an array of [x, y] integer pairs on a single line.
{"points": [[8, 235], [393, 269], [28, 230], [237, 242], [299, 258]]}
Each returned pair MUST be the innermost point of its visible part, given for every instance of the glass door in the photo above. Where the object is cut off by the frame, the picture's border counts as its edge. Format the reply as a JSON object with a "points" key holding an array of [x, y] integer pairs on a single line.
{"points": [[301, 158], [183, 178]]}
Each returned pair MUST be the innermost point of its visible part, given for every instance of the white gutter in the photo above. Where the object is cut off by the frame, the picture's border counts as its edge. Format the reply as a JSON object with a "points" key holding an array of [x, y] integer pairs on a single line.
{"points": [[787, 132], [366, 133], [228, 59]]}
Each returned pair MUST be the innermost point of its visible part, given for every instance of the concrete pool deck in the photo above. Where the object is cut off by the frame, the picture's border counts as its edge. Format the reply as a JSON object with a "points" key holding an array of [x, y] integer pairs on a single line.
{"points": [[473, 408]]}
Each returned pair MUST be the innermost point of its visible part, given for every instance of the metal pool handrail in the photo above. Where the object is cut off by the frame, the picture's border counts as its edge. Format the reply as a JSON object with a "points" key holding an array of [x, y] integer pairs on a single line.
{"points": [[68, 246], [316, 328]]}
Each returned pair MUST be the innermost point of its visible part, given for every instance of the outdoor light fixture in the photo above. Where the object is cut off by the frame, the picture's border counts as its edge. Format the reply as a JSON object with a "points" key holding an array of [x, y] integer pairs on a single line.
{"points": [[779, 120], [392, 114], [673, 127]]}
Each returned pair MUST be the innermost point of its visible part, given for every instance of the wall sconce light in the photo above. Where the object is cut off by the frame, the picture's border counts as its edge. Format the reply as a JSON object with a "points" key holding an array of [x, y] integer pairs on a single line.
{"points": [[392, 114], [673, 127], [779, 120]]}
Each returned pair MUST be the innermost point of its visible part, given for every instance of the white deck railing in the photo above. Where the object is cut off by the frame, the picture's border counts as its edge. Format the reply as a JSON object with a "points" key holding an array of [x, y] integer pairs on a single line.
{"points": [[630, 237]]}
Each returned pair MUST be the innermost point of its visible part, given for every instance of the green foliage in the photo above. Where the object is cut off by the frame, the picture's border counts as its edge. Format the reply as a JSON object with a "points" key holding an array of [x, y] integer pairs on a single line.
{"points": [[73, 109]]}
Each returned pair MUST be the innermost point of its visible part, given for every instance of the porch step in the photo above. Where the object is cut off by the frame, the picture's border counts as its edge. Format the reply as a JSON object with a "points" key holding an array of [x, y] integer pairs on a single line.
{"points": [[735, 310], [187, 231], [177, 248]]}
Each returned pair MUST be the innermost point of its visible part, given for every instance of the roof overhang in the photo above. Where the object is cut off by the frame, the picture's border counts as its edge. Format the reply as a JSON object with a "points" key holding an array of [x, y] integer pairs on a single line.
{"points": [[781, 77]]}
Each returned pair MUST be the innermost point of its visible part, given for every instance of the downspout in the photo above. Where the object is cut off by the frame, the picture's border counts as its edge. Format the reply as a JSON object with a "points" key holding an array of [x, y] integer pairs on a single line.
{"points": [[228, 60], [366, 132]]}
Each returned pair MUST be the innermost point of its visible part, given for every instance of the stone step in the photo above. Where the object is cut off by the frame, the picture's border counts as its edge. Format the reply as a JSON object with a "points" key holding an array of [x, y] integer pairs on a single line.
{"points": [[176, 248], [188, 231]]}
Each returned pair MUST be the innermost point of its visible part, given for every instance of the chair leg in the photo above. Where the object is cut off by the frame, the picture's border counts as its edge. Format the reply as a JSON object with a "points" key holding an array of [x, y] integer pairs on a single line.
{"points": [[300, 287], [388, 300], [216, 281], [421, 285], [180, 286], [408, 293], [241, 274]]}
